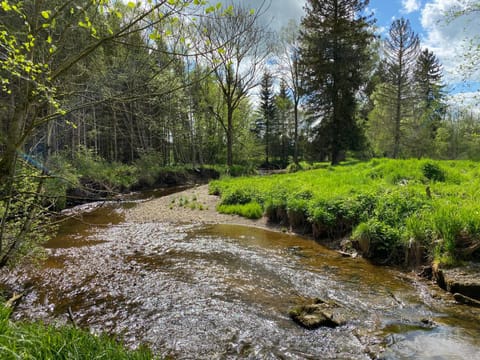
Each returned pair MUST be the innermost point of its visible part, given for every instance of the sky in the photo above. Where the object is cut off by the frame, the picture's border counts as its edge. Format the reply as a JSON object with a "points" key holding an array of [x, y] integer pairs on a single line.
{"points": [[446, 40]]}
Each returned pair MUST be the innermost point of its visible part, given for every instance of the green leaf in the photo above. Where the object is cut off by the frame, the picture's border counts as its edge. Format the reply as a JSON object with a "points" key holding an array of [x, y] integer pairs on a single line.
{"points": [[45, 14], [6, 6], [131, 5]]}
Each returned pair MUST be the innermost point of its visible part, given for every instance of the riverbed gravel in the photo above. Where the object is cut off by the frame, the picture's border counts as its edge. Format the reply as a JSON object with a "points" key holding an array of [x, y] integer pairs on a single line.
{"points": [[194, 205]]}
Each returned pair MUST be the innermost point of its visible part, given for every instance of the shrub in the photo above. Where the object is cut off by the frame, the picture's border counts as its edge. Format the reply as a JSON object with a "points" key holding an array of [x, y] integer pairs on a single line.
{"points": [[433, 172], [292, 168], [113, 176], [148, 166], [236, 197], [377, 240], [395, 205]]}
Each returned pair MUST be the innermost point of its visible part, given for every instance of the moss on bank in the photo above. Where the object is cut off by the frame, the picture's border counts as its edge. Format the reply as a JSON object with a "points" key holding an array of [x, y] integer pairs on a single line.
{"points": [[21, 340], [393, 210]]}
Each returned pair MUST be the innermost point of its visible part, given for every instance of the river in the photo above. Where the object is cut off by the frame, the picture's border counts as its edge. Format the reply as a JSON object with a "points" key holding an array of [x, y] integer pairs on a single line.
{"points": [[223, 292]]}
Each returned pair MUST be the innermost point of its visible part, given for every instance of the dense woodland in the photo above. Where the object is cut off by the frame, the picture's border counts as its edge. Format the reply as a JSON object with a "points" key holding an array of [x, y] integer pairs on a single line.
{"points": [[116, 91]]}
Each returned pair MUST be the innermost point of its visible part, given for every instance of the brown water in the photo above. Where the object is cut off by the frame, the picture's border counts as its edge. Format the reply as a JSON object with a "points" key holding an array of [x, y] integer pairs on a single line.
{"points": [[223, 292]]}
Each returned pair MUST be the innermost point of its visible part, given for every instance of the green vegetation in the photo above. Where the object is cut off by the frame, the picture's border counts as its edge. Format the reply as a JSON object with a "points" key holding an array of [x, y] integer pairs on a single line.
{"points": [[251, 210], [19, 340], [386, 206]]}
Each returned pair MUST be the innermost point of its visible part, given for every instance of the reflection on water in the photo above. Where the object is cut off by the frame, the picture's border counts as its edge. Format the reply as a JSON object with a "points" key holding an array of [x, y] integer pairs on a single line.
{"points": [[223, 292]]}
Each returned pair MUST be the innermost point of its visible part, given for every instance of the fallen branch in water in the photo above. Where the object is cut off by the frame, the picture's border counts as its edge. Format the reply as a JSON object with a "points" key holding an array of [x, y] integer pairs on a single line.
{"points": [[11, 302], [71, 317]]}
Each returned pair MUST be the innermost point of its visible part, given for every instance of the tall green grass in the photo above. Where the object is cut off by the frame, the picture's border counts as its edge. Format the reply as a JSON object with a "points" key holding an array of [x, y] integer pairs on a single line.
{"points": [[35, 341], [383, 205]]}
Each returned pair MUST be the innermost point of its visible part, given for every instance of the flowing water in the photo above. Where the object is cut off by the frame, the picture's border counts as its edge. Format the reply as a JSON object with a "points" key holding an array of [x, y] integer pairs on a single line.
{"points": [[223, 292]]}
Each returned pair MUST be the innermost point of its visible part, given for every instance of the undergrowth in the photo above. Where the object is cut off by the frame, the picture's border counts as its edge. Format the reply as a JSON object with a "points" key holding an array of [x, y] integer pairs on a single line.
{"points": [[21, 340], [383, 205]]}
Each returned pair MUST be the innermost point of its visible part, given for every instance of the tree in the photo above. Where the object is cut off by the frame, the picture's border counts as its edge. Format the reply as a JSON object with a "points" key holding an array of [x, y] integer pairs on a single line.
{"points": [[401, 51], [335, 36], [429, 105], [292, 71], [239, 49], [288, 129], [268, 112], [43, 45]]}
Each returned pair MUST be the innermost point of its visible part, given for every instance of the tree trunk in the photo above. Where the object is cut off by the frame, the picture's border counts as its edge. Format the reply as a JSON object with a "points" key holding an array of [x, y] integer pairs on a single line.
{"points": [[295, 149], [398, 114], [229, 135]]}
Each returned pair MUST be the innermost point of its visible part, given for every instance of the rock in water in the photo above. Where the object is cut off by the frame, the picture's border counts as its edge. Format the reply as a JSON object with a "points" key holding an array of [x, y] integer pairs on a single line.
{"points": [[463, 280], [466, 300], [317, 314]]}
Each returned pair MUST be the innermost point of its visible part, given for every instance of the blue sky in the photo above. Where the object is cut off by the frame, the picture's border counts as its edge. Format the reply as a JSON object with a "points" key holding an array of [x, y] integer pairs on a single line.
{"points": [[448, 40], [386, 10]]}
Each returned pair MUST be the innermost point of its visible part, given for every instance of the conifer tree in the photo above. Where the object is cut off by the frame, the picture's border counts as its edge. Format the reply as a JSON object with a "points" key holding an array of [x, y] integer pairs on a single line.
{"points": [[430, 106], [267, 109], [287, 124], [401, 53], [335, 36]]}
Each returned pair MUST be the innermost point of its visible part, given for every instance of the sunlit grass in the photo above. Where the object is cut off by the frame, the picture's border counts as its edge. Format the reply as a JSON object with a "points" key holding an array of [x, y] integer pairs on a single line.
{"points": [[392, 203], [20, 340]]}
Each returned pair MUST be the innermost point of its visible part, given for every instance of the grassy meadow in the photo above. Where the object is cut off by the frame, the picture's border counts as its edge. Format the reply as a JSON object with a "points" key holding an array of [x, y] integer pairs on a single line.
{"points": [[388, 208]]}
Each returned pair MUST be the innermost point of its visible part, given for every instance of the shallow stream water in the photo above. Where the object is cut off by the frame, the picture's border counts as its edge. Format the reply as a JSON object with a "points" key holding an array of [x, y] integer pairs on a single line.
{"points": [[223, 292]]}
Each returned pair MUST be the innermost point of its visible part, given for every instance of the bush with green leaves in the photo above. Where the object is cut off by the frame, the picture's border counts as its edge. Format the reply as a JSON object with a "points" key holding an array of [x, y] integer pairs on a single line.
{"points": [[433, 172], [114, 176], [24, 224]]}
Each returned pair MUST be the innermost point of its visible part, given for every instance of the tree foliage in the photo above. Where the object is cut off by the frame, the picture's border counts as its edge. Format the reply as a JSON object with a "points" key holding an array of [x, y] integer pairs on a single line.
{"points": [[409, 100], [335, 36], [50, 99], [235, 47]]}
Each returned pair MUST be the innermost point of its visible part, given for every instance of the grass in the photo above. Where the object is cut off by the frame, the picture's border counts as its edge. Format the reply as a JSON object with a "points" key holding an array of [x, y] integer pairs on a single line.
{"points": [[383, 205], [20, 340], [251, 210]]}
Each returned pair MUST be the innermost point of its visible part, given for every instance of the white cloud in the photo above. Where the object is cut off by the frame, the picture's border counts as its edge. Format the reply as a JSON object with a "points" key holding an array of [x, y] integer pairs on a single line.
{"points": [[277, 13], [465, 101], [449, 38], [410, 6]]}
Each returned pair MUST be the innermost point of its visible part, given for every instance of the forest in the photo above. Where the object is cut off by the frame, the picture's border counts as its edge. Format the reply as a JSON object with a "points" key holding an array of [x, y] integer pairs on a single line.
{"points": [[109, 94], [102, 97]]}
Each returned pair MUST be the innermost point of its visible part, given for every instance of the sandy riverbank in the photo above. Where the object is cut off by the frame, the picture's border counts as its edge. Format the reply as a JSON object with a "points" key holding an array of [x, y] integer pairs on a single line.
{"points": [[194, 205]]}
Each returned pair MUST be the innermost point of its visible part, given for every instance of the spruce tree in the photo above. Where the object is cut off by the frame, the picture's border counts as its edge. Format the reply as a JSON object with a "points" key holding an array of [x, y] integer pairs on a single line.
{"points": [[430, 102], [429, 80], [286, 123], [267, 109], [335, 38]]}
